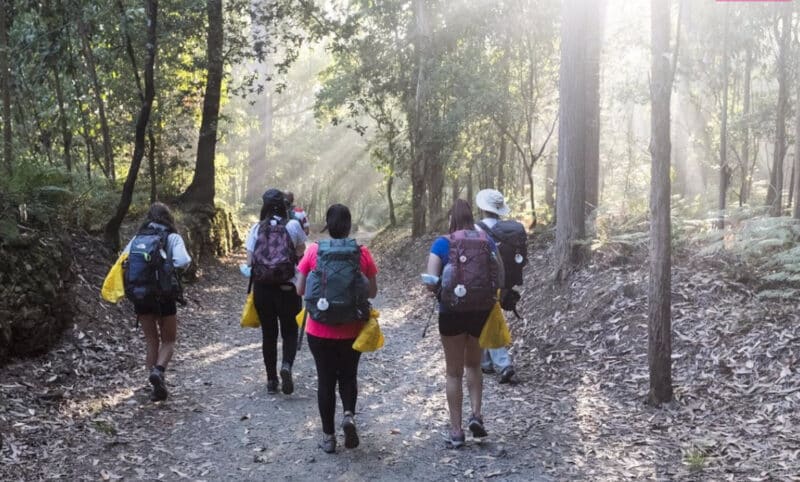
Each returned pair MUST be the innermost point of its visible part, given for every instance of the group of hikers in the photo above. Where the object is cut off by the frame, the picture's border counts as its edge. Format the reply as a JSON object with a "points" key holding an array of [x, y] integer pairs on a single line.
{"points": [[468, 270]]}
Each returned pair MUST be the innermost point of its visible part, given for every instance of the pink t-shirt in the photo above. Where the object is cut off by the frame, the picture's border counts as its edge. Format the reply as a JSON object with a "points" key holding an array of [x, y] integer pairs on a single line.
{"points": [[344, 331]]}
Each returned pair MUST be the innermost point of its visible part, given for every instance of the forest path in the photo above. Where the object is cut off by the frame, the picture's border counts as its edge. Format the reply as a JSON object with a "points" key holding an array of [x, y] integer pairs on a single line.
{"points": [[220, 424]]}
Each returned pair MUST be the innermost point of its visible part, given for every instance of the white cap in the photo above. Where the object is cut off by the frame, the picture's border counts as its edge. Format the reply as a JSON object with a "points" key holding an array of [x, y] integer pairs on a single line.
{"points": [[492, 201]]}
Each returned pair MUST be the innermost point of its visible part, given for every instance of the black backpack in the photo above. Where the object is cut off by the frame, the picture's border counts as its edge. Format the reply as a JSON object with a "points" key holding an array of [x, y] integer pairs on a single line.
{"points": [[149, 276], [274, 255], [511, 241]]}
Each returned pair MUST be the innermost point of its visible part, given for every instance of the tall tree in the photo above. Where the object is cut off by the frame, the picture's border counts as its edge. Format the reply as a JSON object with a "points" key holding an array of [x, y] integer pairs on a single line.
{"points": [[783, 35], [594, 43], [724, 170], [421, 117], [112, 227], [796, 180], [5, 86], [659, 348], [201, 190]]}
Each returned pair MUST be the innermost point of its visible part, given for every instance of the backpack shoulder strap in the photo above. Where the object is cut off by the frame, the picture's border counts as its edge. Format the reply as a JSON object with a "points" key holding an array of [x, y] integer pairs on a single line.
{"points": [[486, 229]]}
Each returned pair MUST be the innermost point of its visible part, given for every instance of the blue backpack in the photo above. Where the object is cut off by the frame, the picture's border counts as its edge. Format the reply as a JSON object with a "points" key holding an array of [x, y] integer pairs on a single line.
{"points": [[148, 274]]}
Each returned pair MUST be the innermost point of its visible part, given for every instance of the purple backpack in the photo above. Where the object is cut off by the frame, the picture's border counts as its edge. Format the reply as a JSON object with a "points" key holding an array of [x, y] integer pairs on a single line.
{"points": [[469, 280], [274, 255]]}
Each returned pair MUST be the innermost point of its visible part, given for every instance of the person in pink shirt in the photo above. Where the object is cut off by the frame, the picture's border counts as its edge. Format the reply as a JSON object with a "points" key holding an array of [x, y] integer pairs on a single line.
{"points": [[331, 343]]}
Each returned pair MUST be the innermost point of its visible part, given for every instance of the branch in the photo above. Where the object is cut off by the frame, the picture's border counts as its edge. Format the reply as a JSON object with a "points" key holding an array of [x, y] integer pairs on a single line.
{"points": [[544, 144]]}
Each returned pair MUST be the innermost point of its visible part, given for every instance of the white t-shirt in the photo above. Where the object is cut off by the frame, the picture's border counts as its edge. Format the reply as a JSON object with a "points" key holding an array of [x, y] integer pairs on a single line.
{"points": [[293, 227], [176, 246]]}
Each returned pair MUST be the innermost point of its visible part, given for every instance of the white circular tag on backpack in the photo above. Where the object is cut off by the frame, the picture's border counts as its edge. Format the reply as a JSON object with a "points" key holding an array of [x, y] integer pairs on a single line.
{"points": [[460, 291], [322, 304], [518, 259], [463, 259]]}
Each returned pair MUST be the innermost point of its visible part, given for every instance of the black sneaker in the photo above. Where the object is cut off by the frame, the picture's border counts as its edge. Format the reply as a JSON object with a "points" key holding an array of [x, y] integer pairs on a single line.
{"points": [[475, 425], [328, 443], [457, 440], [272, 386], [487, 370], [287, 385], [159, 387], [507, 375], [350, 434]]}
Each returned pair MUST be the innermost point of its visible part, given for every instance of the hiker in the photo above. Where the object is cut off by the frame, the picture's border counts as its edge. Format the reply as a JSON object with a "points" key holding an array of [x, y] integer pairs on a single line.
{"points": [[296, 212], [154, 255], [337, 276], [274, 245], [511, 240], [469, 272]]}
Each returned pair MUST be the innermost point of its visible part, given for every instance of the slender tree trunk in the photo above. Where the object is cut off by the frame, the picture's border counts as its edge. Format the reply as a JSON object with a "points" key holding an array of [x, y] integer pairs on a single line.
{"points": [[659, 350], [570, 203], [5, 87], [389, 185], [529, 173], [421, 119], [88, 55], [112, 228], [501, 162], [796, 167], [724, 171], [66, 134], [748, 73], [594, 42], [202, 190], [775, 189], [151, 165]]}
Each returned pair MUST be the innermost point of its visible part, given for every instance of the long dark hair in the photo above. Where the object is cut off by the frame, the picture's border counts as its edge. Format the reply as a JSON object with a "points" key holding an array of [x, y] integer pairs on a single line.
{"points": [[461, 216], [338, 221], [159, 213], [274, 204]]}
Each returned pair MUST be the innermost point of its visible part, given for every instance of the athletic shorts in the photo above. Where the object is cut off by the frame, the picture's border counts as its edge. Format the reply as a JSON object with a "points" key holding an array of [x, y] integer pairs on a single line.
{"points": [[470, 322], [167, 308]]}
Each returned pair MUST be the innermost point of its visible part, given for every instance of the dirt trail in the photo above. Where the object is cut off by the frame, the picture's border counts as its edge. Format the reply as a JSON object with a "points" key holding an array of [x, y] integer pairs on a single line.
{"points": [[220, 424]]}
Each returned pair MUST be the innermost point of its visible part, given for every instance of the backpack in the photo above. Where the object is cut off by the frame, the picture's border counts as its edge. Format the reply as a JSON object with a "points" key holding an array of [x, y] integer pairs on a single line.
{"points": [[469, 279], [337, 291], [274, 254], [512, 245], [148, 274]]}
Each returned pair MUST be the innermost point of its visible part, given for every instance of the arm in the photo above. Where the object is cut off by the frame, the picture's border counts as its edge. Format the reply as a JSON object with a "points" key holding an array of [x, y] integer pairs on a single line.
{"points": [[180, 257], [434, 268], [300, 284], [373, 286]]}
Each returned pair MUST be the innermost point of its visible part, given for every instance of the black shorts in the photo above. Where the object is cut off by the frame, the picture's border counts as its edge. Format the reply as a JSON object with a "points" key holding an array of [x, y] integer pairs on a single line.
{"points": [[469, 322], [164, 308]]}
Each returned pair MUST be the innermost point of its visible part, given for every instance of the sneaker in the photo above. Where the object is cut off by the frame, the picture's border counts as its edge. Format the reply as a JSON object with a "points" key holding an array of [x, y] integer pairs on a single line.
{"points": [[475, 425], [159, 387], [350, 434], [287, 385], [457, 440], [272, 386], [328, 443], [507, 375], [487, 370]]}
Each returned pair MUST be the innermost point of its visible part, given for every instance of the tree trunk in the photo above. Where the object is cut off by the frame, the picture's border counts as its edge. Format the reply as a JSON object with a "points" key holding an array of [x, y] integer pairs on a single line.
{"points": [[549, 186], [724, 172], [389, 185], [201, 191], [421, 119], [594, 42], [572, 143], [5, 87], [88, 55], [796, 169], [745, 162], [529, 173], [775, 189], [66, 134], [151, 165], [501, 163], [659, 350], [112, 228]]}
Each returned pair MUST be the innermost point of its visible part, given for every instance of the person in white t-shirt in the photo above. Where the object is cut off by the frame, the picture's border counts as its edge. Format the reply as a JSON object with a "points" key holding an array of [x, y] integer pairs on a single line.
{"points": [[277, 303]]}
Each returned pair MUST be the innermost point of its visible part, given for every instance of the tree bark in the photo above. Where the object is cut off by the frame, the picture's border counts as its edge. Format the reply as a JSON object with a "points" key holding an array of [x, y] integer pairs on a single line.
{"points": [[659, 350], [5, 87], [745, 161], [594, 42], [796, 177], [775, 189], [66, 134], [201, 191], [420, 119], [724, 172], [549, 186], [88, 55], [112, 228]]}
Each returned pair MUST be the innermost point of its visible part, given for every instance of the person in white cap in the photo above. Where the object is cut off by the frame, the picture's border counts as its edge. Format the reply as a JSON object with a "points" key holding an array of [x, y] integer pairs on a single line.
{"points": [[510, 238]]}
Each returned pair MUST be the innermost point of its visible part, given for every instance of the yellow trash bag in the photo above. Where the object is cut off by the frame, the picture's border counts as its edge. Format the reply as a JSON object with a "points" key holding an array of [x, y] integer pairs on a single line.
{"points": [[249, 314], [299, 318], [370, 338], [495, 332], [113, 286]]}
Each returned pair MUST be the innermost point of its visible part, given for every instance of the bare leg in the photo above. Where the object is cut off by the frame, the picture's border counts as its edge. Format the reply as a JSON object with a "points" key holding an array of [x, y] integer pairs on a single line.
{"points": [[169, 332], [472, 363], [150, 331], [454, 362]]}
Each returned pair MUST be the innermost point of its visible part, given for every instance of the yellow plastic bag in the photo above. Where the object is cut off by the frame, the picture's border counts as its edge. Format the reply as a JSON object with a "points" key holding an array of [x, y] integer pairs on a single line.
{"points": [[370, 338], [113, 286], [495, 332], [299, 318], [249, 314]]}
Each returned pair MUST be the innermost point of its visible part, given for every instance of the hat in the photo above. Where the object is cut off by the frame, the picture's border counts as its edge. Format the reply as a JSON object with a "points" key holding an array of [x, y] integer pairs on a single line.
{"points": [[273, 196], [491, 201]]}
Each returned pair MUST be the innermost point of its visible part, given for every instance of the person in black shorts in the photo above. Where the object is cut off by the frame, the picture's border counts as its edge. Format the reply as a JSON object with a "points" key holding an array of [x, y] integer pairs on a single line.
{"points": [[459, 333]]}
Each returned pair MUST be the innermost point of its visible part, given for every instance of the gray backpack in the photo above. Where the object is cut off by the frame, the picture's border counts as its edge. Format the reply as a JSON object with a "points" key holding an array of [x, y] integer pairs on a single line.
{"points": [[337, 291]]}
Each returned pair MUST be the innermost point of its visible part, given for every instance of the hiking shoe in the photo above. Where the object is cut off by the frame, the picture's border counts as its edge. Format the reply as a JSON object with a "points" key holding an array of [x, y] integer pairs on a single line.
{"points": [[328, 443], [475, 425], [159, 387], [272, 386], [287, 385], [507, 375], [350, 434], [487, 370], [457, 440]]}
